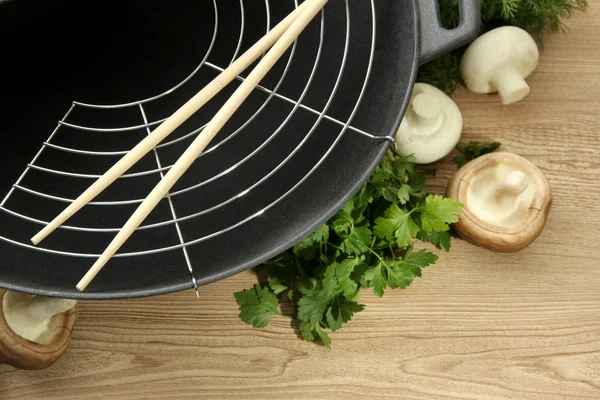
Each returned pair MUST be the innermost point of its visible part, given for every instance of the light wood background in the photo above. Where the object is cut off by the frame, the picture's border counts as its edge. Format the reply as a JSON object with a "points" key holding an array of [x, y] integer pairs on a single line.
{"points": [[478, 325]]}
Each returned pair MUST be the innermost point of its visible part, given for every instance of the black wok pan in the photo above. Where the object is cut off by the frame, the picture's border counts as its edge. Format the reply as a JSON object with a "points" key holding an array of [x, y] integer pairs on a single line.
{"points": [[297, 150]]}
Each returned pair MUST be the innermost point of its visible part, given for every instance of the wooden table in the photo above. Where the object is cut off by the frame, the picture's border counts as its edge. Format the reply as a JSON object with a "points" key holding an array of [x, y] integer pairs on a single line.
{"points": [[478, 325]]}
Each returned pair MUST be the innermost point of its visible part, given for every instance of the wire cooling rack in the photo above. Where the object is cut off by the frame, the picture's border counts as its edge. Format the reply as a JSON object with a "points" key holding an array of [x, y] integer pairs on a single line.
{"points": [[303, 103]]}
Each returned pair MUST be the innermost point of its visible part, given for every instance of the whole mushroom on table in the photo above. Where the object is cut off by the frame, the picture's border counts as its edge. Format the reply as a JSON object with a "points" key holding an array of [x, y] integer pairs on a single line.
{"points": [[431, 126], [506, 200], [499, 61]]}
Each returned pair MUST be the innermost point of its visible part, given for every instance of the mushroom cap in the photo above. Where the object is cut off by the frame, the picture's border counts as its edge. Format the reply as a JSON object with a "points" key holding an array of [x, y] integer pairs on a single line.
{"points": [[431, 127], [514, 236], [494, 50]]}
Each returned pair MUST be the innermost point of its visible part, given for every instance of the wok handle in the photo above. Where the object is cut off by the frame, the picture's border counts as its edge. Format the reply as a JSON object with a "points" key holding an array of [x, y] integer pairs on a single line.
{"points": [[435, 40]]}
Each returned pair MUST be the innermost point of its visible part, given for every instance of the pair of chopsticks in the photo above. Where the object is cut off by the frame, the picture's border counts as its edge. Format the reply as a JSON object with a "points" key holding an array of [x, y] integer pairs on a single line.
{"points": [[279, 39]]}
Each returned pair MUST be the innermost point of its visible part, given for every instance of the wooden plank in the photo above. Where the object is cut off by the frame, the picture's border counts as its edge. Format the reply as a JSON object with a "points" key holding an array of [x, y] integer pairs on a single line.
{"points": [[478, 325]]}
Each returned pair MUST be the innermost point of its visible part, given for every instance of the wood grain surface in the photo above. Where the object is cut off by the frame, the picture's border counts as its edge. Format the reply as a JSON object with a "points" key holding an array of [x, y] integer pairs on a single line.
{"points": [[478, 325]]}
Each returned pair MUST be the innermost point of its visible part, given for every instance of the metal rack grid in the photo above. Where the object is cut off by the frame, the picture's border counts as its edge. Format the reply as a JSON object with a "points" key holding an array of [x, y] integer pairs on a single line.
{"points": [[176, 218]]}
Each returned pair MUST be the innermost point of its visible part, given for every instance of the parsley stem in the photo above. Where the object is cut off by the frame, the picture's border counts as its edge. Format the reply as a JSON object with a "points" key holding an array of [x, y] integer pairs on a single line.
{"points": [[403, 181], [333, 245], [379, 257], [300, 268]]}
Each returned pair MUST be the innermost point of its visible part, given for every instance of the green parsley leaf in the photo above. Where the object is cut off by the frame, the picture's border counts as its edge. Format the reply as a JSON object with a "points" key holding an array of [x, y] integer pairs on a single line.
{"points": [[472, 150], [421, 258], [403, 194], [390, 193], [312, 307], [257, 305], [403, 165], [276, 285], [349, 206], [438, 212], [334, 317], [358, 242], [306, 285], [342, 224], [323, 336], [330, 284], [375, 278], [381, 179], [337, 278], [396, 223], [307, 331], [308, 247], [438, 239], [347, 310], [400, 274], [416, 181], [361, 201]]}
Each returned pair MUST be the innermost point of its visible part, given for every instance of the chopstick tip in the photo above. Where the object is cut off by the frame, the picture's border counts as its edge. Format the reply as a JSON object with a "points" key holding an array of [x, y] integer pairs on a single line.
{"points": [[92, 272], [36, 239], [83, 283], [42, 234]]}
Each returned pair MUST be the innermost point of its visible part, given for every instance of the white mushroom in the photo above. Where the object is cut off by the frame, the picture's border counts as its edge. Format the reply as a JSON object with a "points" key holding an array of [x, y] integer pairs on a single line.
{"points": [[431, 126], [499, 61], [32, 317], [506, 200]]}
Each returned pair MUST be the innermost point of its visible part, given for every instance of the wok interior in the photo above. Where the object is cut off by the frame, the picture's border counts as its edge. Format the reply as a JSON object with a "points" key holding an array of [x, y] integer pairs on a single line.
{"points": [[118, 52]]}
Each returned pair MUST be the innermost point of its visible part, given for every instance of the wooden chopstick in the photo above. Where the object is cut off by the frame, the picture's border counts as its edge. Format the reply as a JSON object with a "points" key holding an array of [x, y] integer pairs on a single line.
{"points": [[214, 126], [172, 123]]}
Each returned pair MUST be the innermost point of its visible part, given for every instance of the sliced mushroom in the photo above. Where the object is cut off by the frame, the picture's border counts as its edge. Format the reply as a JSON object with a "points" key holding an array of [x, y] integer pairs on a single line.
{"points": [[34, 330], [506, 200]]}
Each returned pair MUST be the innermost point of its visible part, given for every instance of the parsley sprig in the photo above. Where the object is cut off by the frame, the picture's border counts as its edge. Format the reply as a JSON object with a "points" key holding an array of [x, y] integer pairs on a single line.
{"points": [[472, 150], [369, 243]]}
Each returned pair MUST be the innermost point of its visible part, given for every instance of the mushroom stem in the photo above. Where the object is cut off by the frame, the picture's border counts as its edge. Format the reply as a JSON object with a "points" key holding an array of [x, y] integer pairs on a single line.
{"points": [[510, 84], [426, 112], [511, 187]]}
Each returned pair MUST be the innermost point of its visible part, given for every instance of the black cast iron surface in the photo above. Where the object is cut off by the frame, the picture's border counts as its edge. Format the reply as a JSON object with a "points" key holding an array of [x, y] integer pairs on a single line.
{"points": [[111, 52]]}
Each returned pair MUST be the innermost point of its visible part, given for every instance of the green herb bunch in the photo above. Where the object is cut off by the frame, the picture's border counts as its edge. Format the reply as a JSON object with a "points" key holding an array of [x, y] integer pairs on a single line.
{"points": [[369, 243], [534, 16]]}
